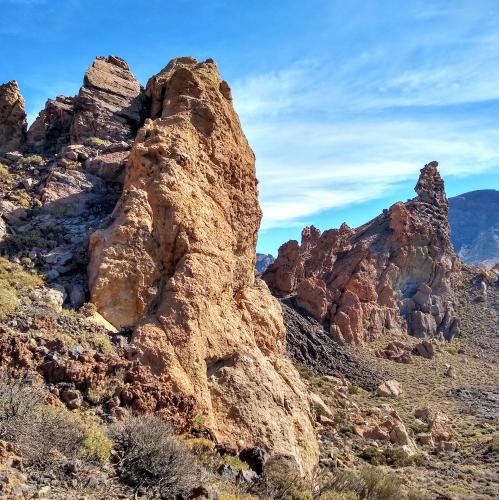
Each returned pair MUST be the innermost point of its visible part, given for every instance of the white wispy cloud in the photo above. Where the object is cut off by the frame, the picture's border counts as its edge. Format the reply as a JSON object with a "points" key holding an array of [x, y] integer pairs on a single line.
{"points": [[347, 130]]}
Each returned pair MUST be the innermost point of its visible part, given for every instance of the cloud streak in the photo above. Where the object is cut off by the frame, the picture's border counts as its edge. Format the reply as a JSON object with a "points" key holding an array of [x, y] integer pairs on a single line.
{"points": [[333, 133]]}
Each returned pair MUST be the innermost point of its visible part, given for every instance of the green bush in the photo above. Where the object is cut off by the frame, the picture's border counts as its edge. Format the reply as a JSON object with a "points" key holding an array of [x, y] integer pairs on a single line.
{"points": [[30, 160], [95, 141]]}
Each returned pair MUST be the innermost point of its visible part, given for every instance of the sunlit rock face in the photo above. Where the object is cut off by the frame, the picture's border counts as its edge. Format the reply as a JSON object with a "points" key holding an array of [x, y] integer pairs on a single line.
{"points": [[395, 272], [178, 264]]}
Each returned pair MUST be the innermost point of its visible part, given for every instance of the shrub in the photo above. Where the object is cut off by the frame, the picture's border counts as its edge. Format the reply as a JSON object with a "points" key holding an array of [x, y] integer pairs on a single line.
{"points": [[19, 401], [367, 484], [23, 198], [199, 445], [51, 438], [95, 141], [96, 444], [30, 160], [235, 462], [148, 455], [5, 177], [282, 479]]}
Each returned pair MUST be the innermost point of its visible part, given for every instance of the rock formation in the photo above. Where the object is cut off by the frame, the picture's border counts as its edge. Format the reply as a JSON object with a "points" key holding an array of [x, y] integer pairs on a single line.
{"points": [[395, 272], [12, 117], [50, 132], [474, 222], [178, 263], [110, 104]]}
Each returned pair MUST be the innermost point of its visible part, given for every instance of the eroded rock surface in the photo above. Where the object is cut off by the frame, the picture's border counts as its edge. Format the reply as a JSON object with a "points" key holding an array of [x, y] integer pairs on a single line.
{"points": [[110, 105], [393, 273], [178, 262], [12, 117]]}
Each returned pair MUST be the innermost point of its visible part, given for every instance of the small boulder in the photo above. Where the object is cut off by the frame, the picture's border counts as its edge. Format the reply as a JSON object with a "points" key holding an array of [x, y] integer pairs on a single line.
{"points": [[390, 388]]}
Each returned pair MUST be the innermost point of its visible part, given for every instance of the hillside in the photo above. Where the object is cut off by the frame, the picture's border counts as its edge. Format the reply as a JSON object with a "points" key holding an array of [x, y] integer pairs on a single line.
{"points": [[474, 221]]}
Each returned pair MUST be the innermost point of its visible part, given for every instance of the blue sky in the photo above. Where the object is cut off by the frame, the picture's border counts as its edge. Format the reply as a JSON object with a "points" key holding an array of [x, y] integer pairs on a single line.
{"points": [[342, 101]]}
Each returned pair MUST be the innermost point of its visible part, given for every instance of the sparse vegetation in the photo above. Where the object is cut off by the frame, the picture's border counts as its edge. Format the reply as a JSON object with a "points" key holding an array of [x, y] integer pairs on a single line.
{"points": [[30, 160], [96, 141], [369, 483], [149, 456], [13, 279]]}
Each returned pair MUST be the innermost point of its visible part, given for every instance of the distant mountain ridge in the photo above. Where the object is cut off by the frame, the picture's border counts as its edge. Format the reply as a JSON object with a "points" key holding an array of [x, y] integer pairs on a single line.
{"points": [[474, 221], [263, 261]]}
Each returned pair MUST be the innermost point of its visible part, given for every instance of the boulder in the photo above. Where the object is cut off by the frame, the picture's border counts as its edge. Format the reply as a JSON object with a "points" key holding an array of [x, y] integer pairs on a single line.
{"points": [[109, 166], [390, 388], [50, 132]]}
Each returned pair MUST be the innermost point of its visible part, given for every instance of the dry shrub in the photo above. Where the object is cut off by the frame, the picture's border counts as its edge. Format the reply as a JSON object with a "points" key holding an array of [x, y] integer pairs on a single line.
{"points": [[369, 483], [46, 436], [149, 457], [19, 401]]}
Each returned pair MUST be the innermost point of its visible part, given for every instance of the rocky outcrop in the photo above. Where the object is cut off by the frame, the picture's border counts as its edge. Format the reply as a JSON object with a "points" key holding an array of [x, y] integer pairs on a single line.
{"points": [[474, 221], [263, 261], [178, 263], [110, 105], [393, 273], [50, 132], [12, 117]]}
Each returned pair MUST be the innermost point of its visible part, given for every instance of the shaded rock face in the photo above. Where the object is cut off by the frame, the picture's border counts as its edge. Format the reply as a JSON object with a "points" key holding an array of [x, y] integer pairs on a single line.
{"points": [[178, 262], [12, 117], [474, 221], [50, 132], [263, 261], [395, 272], [110, 104]]}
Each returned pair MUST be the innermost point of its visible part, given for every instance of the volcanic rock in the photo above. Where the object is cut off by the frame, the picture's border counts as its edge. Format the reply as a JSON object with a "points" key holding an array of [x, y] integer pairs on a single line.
{"points": [[50, 132], [394, 273], [110, 105], [178, 262], [12, 117], [390, 388]]}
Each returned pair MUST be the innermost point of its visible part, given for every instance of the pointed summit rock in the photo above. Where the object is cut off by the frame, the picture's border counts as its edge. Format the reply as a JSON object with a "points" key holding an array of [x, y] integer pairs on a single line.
{"points": [[394, 273], [12, 117], [178, 264], [110, 105], [430, 186]]}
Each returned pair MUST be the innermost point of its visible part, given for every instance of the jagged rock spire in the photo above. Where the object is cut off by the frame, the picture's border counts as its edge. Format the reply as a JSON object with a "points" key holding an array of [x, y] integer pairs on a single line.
{"points": [[430, 187]]}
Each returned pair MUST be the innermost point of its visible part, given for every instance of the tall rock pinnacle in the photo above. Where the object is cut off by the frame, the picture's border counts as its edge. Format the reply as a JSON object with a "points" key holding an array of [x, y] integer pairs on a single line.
{"points": [[12, 117], [178, 262]]}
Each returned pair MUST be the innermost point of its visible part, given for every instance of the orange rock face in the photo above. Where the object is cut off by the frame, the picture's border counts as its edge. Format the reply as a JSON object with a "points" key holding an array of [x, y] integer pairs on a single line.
{"points": [[395, 272], [178, 263]]}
